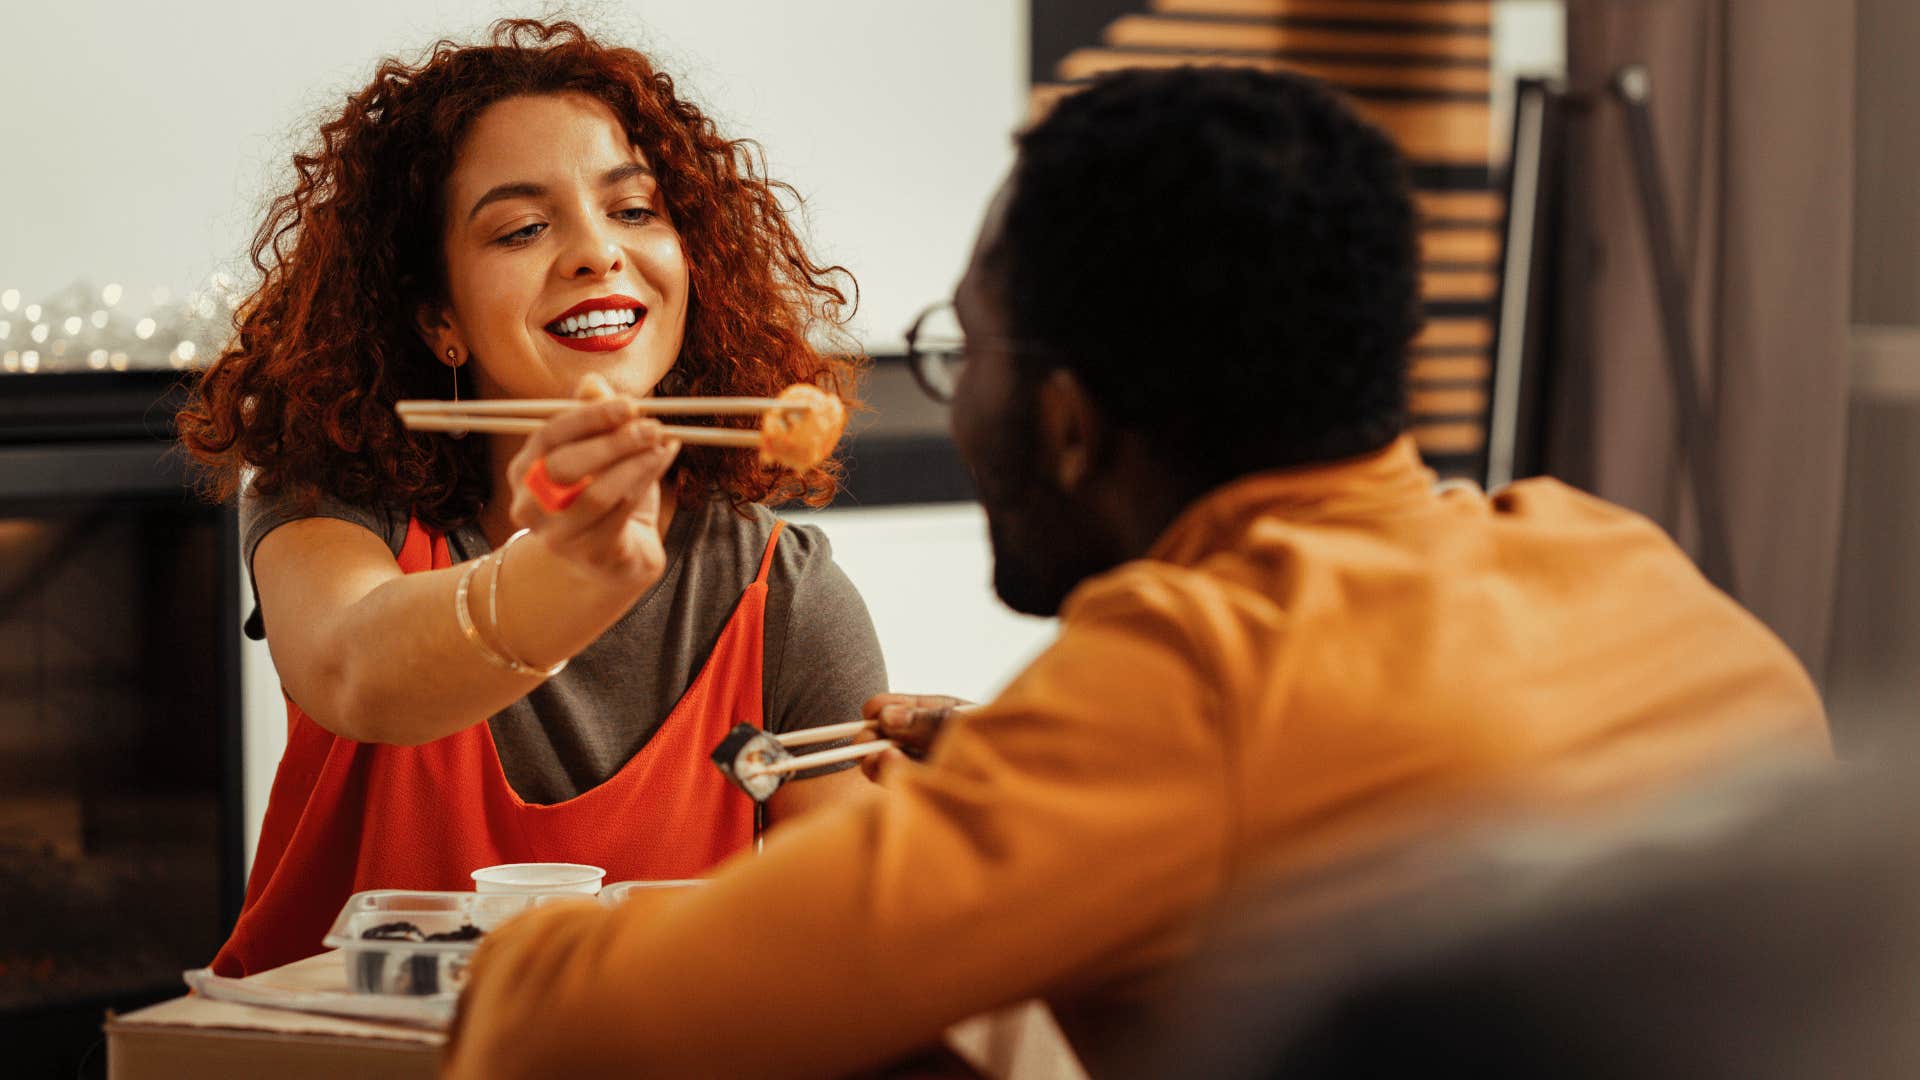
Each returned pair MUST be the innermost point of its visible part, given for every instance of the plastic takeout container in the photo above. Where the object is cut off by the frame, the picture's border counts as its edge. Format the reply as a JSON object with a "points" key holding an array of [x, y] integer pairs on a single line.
{"points": [[539, 877], [621, 891], [415, 967]]}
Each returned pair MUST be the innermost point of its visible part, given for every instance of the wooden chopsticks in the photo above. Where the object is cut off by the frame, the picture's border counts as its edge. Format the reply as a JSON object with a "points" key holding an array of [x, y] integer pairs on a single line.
{"points": [[519, 425], [824, 757], [525, 416], [828, 733], [546, 407], [825, 733]]}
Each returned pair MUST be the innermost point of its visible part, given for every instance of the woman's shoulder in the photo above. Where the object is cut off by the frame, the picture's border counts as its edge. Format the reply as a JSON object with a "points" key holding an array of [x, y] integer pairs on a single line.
{"points": [[749, 528], [263, 512], [732, 541]]}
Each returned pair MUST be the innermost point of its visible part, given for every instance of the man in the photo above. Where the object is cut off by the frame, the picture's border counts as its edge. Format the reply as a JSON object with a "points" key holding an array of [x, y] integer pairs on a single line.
{"points": [[1187, 317]]}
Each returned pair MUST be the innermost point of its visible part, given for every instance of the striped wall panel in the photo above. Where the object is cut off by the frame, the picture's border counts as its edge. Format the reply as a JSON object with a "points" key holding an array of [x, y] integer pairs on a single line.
{"points": [[1420, 70], [1462, 13]]}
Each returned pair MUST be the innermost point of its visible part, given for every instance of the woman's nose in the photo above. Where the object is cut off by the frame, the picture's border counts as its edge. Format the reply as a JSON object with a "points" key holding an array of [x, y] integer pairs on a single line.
{"points": [[592, 253]]}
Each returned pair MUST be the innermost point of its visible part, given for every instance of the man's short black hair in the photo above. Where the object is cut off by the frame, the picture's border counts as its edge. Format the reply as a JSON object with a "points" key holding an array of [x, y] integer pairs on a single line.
{"points": [[1228, 261]]}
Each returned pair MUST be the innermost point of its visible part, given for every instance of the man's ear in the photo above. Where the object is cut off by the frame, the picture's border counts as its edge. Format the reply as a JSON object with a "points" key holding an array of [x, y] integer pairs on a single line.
{"points": [[435, 325], [1072, 429]]}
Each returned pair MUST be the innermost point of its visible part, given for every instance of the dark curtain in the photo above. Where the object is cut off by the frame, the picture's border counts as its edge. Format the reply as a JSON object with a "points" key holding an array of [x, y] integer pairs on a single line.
{"points": [[1753, 112]]}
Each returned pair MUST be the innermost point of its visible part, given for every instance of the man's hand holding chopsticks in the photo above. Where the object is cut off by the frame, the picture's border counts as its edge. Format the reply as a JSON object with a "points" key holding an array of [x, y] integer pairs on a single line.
{"points": [[911, 721]]}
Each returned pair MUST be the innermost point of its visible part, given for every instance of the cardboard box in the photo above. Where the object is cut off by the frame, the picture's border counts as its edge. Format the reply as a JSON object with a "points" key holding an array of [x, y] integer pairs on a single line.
{"points": [[216, 1040]]}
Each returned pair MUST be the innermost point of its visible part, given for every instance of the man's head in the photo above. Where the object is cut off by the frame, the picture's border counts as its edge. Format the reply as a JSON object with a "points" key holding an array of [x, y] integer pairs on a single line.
{"points": [[1191, 275]]}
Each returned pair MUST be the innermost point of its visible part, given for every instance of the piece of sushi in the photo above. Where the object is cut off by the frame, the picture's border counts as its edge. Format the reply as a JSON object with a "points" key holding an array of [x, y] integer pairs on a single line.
{"points": [[743, 757], [801, 439]]}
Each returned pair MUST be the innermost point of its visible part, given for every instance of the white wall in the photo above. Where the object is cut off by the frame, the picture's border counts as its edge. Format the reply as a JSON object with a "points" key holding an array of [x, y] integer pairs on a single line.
{"points": [[140, 139], [926, 573], [1529, 41]]}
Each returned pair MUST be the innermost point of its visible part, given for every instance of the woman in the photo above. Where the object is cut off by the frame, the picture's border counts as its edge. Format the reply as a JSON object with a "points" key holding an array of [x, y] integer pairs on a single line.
{"points": [[541, 216]]}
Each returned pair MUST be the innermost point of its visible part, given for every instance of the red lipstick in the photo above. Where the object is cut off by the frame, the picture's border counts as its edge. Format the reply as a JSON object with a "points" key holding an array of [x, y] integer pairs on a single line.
{"points": [[566, 328]]}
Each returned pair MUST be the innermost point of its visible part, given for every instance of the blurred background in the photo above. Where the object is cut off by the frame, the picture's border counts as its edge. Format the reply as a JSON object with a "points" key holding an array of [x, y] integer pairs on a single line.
{"points": [[139, 732]]}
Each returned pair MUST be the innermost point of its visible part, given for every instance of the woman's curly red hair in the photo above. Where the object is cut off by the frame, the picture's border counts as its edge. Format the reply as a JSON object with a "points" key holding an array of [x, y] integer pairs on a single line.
{"points": [[304, 393]]}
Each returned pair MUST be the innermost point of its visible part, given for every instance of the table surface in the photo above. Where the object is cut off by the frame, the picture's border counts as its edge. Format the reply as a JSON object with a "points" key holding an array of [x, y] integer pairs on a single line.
{"points": [[1019, 1042], [326, 971]]}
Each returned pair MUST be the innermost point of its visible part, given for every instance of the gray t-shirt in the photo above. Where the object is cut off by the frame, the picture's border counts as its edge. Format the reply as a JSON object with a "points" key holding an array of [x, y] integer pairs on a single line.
{"points": [[577, 729]]}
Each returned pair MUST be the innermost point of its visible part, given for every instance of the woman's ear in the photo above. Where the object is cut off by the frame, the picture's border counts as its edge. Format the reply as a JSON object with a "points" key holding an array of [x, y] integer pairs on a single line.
{"points": [[1072, 432], [437, 329]]}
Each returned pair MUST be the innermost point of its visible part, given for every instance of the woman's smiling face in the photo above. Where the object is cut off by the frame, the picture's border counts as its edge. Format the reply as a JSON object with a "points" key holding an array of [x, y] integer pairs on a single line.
{"points": [[560, 259]]}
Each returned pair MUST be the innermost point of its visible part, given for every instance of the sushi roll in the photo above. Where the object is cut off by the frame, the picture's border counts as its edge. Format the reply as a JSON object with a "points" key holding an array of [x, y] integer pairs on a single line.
{"points": [[743, 757], [799, 439]]}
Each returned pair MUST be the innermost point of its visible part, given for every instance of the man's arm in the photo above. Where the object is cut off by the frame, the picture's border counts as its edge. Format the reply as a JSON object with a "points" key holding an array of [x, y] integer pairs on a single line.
{"points": [[1056, 838]]}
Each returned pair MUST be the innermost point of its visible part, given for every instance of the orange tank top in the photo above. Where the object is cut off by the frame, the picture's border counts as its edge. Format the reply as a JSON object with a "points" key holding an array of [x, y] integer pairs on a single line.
{"points": [[347, 816]]}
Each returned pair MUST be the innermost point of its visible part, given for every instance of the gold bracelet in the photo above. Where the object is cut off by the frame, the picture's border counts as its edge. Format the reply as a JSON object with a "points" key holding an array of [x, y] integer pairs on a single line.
{"points": [[471, 631], [464, 614], [499, 560]]}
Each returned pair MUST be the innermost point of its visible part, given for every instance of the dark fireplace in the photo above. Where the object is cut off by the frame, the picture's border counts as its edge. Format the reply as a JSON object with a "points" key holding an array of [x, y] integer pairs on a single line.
{"points": [[120, 825]]}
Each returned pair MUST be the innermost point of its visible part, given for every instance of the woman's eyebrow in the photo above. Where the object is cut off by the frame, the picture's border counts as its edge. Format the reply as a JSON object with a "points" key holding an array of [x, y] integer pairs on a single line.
{"points": [[527, 189], [621, 173], [515, 190]]}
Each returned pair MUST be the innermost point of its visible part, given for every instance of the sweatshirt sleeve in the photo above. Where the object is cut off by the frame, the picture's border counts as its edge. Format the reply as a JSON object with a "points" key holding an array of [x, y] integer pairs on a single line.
{"points": [[1057, 838]]}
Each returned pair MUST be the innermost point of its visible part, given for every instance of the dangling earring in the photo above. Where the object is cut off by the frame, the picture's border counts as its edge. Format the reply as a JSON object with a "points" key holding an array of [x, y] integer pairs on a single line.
{"points": [[453, 364]]}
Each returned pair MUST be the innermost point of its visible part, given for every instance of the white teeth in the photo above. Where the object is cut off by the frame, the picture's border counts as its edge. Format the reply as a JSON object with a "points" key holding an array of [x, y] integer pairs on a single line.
{"points": [[597, 323]]}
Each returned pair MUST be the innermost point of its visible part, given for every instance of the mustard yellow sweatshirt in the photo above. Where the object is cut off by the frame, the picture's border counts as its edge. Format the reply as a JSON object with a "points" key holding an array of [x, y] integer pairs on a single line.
{"points": [[1305, 658]]}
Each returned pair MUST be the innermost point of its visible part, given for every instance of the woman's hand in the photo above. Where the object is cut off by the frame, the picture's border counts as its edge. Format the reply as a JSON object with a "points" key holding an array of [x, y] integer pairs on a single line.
{"points": [[611, 530], [377, 655]]}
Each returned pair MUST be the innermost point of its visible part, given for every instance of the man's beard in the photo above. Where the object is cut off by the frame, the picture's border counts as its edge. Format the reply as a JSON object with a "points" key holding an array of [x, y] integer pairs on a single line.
{"points": [[1044, 544]]}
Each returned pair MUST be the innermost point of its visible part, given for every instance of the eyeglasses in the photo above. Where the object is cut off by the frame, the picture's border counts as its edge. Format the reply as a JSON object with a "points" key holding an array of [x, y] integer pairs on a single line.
{"points": [[937, 350]]}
